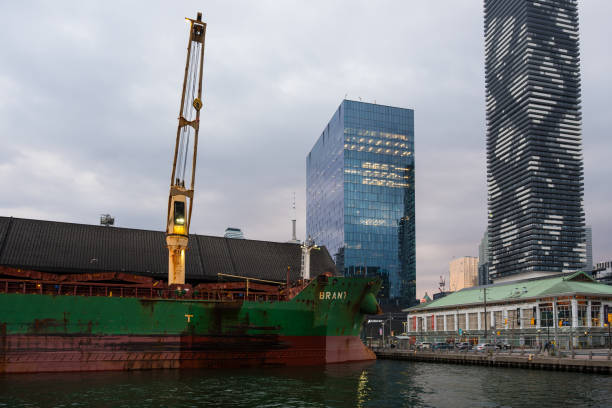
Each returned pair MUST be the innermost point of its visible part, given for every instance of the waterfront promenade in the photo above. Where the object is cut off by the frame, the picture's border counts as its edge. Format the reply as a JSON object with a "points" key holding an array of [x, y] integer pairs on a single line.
{"points": [[596, 361]]}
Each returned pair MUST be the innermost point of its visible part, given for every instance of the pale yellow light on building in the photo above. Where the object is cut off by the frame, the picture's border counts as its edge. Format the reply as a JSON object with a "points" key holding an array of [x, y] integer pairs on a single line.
{"points": [[463, 273]]}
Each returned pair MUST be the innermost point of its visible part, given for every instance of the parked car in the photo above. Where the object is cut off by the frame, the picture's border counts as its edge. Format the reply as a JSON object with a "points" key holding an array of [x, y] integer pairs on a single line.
{"points": [[485, 347], [441, 346], [463, 346], [502, 345], [424, 346]]}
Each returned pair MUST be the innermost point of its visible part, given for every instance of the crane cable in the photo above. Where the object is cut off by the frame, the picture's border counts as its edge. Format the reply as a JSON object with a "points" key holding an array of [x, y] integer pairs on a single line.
{"points": [[187, 108], [193, 81], [181, 149]]}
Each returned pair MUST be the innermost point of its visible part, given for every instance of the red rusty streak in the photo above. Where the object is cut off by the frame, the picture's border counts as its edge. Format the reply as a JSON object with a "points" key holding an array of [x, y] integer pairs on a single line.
{"points": [[75, 277], [44, 353]]}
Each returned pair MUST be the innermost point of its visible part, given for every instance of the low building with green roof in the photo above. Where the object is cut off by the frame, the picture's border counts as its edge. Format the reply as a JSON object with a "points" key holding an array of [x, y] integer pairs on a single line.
{"points": [[527, 312]]}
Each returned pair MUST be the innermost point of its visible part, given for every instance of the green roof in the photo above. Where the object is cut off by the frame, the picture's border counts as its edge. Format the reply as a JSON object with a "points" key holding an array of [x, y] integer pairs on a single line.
{"points": [[576, 283]]}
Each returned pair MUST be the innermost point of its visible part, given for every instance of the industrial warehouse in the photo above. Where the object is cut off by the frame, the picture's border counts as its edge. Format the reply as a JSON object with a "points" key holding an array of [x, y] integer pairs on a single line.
{"points": [[533, 312], [91, 250]]}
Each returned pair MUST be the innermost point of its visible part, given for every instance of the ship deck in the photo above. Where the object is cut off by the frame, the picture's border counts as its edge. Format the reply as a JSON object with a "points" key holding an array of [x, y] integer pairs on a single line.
{"points": [[126, 285]]}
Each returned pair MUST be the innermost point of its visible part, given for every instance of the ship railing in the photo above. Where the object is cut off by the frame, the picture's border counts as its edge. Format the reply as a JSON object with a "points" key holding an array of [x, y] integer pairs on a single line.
{"points": [[137, 291]]}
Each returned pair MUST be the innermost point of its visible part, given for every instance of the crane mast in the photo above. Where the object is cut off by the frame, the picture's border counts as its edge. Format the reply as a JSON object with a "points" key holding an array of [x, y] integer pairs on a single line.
{"points": [[180, 200]]}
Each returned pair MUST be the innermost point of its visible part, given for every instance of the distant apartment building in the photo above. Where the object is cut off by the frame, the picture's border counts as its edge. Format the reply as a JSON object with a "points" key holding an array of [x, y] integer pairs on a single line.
{"points": [[602, 272], [534, 142], [483, 260], [588, 236], [463, 273], [231, 232], [360, 196]]}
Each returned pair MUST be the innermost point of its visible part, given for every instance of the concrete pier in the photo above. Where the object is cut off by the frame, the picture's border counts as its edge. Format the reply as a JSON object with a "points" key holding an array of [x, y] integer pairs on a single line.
{"points": [[599, 363]]}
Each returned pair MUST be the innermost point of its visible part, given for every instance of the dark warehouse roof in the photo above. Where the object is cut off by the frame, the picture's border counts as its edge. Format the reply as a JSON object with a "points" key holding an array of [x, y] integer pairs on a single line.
{"points": [[60, 247]]}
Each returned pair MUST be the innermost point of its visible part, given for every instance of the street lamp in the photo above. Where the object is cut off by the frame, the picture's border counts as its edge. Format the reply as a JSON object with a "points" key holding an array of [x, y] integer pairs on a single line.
{"points": [[485, 313]]}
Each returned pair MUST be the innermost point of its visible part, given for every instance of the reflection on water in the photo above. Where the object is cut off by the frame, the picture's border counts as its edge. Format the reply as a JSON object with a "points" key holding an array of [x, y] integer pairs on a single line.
{"points": [[376, 384], [362, 388]]}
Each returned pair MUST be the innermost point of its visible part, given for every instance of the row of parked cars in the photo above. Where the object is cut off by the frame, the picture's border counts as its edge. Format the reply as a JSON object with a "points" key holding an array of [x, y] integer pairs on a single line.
{"points": [[462, 346]]}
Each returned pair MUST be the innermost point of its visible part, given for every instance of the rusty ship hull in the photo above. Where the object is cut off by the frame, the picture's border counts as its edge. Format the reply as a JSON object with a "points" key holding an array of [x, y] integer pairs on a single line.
{"points": [[80, 328]]}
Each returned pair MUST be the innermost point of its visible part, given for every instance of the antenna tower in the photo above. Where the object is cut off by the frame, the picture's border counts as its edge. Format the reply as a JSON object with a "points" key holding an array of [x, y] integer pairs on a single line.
{"points": [[442, 284], [293, 220]]}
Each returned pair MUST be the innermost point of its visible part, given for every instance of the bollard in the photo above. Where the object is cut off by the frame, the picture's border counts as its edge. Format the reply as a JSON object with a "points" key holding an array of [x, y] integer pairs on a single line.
{"points": [[591, 355], [608, 354]]}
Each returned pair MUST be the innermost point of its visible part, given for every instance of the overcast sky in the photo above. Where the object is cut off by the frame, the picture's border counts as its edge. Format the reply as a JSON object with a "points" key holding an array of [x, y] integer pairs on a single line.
{"points": [[90, 91]]}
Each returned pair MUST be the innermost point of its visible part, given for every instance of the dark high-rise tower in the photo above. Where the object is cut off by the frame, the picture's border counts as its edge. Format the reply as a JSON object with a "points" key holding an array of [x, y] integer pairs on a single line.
{"points": [[534, 152]]}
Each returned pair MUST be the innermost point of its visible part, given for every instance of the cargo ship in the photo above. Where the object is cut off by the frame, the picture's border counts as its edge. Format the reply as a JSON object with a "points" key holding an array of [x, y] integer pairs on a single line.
{"points": [[121, 321], [59, 325]]}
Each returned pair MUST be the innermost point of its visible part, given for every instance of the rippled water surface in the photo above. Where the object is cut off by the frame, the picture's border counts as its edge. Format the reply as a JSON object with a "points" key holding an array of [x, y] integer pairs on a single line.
{"points": [[379, 384]]}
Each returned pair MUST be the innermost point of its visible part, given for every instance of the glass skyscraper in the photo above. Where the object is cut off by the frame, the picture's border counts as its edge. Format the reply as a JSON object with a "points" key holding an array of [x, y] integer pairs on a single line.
{"points": [[534, 143], [360, 195]]}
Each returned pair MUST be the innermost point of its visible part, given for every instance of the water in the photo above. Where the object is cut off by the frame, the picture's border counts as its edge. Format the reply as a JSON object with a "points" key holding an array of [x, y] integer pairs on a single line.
{"points": [[378, 384]]}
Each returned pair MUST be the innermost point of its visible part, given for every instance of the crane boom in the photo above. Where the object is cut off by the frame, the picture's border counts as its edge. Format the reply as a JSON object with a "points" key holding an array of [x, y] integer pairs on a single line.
{"points": [[180, 199]]}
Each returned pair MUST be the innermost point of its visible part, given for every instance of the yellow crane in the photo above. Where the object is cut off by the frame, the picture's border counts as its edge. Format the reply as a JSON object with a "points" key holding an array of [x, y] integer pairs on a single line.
{"points": [[180, 200]]}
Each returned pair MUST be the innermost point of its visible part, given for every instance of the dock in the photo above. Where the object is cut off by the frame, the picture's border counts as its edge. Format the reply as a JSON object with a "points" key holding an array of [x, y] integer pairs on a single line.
{"points": [[590, 362]]}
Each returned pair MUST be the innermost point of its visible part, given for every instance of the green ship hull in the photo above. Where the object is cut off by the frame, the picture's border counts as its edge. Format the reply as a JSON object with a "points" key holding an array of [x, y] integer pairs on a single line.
{"points": [[50, 332]]}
